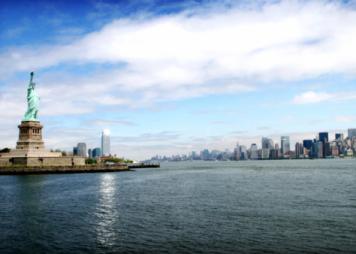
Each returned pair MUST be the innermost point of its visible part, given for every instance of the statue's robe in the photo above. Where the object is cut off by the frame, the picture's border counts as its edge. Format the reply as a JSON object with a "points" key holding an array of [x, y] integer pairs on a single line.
{"points": [[32, 105]]}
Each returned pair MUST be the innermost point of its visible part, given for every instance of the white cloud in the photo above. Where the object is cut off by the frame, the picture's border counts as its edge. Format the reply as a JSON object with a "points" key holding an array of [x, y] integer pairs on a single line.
{"points": [[311, 97], [288, 40], [182, 56], [317, 97]]}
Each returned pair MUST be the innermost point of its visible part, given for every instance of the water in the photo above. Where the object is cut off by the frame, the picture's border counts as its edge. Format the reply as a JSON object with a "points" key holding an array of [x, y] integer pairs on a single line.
{"points": [[190, 207]]}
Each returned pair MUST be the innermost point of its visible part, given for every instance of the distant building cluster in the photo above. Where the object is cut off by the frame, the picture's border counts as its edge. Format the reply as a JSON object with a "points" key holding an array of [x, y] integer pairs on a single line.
{"points": [[320, 147], [104, 150]]}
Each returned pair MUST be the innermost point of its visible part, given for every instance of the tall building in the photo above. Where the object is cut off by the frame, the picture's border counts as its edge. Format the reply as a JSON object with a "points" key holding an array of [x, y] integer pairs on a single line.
{"points": [[82, 149], [308, 148], [351, 133], [254, 152], [318, 148], [105, 142], [339, 136], [243, 153], [205, 155], [75, 151], [267, 143], [299, 150], [237, 152], [334, 149], [324, 138], [307, 144], [267, 146], [285, 146]]}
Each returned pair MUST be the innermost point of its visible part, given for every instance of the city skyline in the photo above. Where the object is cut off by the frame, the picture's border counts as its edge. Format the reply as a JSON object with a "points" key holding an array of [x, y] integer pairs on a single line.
{"points": [[169, 78], [322, 146]]}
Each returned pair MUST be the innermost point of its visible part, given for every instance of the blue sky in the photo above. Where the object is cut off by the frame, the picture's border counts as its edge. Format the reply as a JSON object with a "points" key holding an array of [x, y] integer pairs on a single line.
{"points": [[169, 77]]}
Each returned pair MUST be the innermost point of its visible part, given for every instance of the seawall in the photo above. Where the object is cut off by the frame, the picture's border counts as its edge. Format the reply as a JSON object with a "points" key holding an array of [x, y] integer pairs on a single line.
{"points": [[18, 170]]}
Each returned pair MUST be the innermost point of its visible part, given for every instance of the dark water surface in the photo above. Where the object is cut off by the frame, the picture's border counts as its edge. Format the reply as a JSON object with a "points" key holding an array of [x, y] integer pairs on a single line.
{"points": [[195, 207]]}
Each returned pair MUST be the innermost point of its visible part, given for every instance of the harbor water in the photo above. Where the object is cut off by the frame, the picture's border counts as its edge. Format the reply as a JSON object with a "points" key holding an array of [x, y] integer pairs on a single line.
{"points": [[296, 206]]}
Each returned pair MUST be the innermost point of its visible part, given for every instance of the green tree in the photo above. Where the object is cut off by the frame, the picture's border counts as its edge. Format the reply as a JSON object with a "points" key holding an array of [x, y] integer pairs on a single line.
{"points": [[90, 161], [5, 150]]}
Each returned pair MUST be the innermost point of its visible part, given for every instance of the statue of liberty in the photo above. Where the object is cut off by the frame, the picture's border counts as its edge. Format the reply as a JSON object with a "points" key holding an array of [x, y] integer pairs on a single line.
{"points": [[32, 102]]}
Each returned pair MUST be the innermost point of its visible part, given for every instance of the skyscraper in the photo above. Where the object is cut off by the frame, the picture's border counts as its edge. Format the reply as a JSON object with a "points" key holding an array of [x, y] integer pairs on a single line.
{"points": [[205, 155], [75, 151], [82, 149], [299, 152], [307, 144], [324, 138], [254, 152], [237, 152], [339, 136], [267, 145], [285, 146], [308, 147], [105, 142], [96, 152], [351, 133], [243, 153]]}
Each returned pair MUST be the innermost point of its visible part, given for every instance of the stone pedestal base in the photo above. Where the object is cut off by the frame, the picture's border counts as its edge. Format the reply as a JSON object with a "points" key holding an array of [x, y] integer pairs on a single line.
{"points": [[30, 151], [30, 136], [69, 161]]}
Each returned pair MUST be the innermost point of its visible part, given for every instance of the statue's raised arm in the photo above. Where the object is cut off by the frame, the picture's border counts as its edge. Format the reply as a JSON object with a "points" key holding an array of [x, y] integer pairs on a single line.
{"points": [[31, 79], [32, 101]]}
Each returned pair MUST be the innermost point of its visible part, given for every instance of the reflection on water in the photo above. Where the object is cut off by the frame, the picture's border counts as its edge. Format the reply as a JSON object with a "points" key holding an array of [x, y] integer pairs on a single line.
{"points": [[193, 207], [106, 213], [30, 209]]}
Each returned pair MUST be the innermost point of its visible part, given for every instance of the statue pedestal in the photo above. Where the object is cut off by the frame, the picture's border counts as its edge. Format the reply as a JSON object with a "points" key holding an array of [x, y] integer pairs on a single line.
{"points": [[30, 143], [30, 136], [30, 151]]}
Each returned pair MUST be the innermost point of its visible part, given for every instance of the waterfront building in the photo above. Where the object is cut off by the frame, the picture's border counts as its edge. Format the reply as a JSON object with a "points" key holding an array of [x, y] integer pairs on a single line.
{"points": [[243, 153], [267, 145], [349, 152], [194, 155], [82, 149], [237, 152], [308, 143], [90, 153], [253, 152], [105, 142], [351, 133], [214, 155], [274, 153], [327, 149], [308, 147], [299, 150], [265, 154], [334, 149], [339, 136], [205, 155], [285, 146], [75, 151], [324, 138], [318, 150]]}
